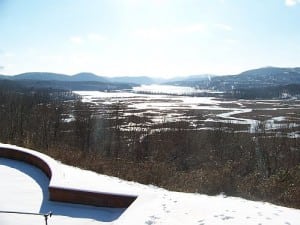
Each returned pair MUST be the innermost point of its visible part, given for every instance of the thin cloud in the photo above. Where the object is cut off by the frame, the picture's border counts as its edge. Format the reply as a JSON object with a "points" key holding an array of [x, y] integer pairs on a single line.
{"points": [[291, 3], [231, 41], [151, 33], [76, 40], [158, 34], [91, 37], [190, 29], [6, 54], [96, 37], [9, 54], [224, 27]]}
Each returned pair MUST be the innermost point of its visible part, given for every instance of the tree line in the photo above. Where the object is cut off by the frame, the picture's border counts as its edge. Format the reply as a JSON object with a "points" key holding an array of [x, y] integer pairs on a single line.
{"points": [[282, 91]]}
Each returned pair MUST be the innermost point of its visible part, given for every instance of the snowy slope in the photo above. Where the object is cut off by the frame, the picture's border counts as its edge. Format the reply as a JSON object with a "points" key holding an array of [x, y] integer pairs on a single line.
{"points": [[24, 188]]}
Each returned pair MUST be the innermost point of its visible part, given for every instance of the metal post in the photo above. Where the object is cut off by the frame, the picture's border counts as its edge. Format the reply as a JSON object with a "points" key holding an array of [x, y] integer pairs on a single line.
{"points": [[46, 219]]}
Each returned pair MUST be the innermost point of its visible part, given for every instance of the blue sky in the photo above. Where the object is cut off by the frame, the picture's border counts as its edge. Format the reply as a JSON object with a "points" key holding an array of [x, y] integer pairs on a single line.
{"points": [[161, 38]]}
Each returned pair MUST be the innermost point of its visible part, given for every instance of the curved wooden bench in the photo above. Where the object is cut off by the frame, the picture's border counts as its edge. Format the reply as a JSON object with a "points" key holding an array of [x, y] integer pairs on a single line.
{"points": [[62, 194]]}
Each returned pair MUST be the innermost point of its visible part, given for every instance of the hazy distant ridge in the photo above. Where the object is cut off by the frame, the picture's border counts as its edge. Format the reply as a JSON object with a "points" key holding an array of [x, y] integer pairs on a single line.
{"points": [[262, 77], [256, 78], [84, 76]]}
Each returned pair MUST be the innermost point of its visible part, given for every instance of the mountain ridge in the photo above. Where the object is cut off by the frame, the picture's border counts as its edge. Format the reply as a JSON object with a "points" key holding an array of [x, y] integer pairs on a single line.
{"points": [[259, 77]]}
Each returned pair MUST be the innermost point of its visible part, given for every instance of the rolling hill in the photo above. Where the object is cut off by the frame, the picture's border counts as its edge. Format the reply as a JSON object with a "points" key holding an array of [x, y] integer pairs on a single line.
{"points": [[255, 78]]}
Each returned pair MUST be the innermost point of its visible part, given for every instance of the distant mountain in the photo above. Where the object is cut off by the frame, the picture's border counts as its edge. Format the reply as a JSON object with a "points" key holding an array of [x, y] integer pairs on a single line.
{"points": [[4, 77], [57, 77], [41, 76], [136, 80], [88, 77], [256, 78], [269, 71], [81, 81], [46, 76]]}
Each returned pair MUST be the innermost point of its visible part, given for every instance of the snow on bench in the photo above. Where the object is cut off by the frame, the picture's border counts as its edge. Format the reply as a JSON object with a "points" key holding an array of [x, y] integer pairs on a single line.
{"points": [[57, 190]]}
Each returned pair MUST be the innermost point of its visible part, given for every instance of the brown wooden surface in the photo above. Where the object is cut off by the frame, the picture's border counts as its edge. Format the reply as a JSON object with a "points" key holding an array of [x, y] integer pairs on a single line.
{"points": [[90, 198]]}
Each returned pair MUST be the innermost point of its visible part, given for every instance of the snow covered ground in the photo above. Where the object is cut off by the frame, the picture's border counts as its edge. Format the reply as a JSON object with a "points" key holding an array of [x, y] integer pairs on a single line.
{"points": [[24, 188]]}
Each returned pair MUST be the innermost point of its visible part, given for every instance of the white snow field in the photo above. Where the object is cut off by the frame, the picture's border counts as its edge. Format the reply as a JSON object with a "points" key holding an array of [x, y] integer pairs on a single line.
{"points": [[24, 188]]}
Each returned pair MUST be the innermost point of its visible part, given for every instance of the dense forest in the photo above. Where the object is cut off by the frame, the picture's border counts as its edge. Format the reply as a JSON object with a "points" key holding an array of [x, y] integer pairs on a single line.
{"points": [[171, 154], [273, 92]]}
